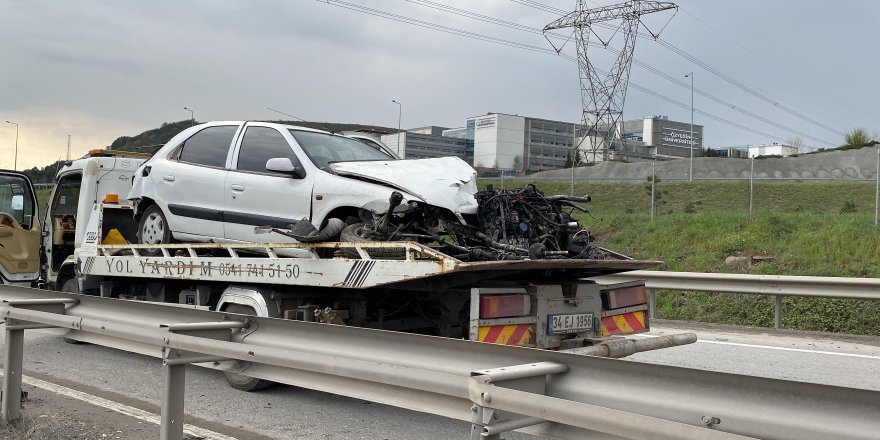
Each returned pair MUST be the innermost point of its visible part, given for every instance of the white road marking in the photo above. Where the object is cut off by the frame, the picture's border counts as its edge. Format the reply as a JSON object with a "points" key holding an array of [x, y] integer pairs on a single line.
{"points": [[139, 414], [801, 350]]}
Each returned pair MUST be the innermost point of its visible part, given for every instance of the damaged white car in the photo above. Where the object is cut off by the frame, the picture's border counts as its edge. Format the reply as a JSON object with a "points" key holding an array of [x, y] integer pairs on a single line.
{"points": [[230, 181]]}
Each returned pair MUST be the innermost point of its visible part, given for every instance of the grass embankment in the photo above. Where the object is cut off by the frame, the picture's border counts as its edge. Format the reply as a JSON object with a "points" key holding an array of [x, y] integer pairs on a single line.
{"points": [[822, 229], [43, 201]]}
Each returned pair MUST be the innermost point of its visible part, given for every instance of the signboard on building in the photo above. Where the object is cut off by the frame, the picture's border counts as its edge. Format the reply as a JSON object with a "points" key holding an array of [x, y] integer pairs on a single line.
{"points": [[485, 122], [676, 138]]}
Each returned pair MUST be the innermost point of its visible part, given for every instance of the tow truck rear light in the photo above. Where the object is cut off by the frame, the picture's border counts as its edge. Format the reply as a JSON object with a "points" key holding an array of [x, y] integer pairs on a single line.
{"points": [[624, 297], [504, 306]]}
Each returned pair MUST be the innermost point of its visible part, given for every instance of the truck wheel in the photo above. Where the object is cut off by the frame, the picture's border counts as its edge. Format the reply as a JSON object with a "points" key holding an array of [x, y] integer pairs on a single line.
{"points": [[241, 381], [153, 227], [356, 233], [70, 286]]}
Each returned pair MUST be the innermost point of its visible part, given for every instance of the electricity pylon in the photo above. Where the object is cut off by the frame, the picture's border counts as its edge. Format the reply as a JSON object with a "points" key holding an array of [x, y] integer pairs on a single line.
{"points": [[603, 95]]}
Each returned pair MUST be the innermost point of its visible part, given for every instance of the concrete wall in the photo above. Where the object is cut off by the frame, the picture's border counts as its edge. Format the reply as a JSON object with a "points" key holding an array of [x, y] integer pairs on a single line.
{"points": [[849, 164]]}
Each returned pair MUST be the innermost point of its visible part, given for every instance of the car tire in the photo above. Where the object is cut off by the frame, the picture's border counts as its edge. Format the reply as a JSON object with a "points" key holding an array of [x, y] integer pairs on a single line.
{"points": [[354, 233], [153, 228], [240, 381]]}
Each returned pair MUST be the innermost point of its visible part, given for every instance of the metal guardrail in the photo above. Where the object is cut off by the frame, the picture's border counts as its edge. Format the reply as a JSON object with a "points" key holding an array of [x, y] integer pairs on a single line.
{"points": [[608, 179], [497, 388], [778, 286]]}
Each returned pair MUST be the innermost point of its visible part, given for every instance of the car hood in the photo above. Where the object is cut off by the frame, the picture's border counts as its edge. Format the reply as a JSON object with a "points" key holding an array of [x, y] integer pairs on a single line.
{"points": [[446, 182]]}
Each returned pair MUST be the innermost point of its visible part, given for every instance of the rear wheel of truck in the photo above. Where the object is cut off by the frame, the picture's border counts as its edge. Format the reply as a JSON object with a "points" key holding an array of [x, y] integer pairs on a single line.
{"points": [[70, 286], [240, 381]]}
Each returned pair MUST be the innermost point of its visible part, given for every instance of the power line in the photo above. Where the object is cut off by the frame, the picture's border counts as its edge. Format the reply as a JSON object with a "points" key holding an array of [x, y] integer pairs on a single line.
{"points": [[481, 37], [435, 26], [775, 66], [642, 64], [727, 78]]}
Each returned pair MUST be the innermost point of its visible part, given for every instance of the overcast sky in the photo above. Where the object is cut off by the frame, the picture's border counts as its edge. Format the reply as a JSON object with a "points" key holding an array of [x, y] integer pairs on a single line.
{"points": [[97, 70]]}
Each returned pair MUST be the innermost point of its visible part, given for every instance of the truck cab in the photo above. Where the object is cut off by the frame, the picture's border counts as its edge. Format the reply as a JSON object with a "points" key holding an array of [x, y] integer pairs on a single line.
{"points": [[102, 176]]}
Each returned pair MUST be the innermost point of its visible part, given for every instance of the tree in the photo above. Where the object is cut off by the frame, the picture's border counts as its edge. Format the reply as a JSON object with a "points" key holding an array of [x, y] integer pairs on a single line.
{"points": [[857, 137], [711, 152], [518, 163]]}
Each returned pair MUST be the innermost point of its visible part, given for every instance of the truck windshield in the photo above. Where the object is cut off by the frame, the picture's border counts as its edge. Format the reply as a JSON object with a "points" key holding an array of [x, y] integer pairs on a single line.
{"points": [[324, 149]]}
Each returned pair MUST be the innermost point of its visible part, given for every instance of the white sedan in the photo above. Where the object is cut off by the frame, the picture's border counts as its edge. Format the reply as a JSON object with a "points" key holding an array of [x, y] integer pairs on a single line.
{"points": [[216, 182]]}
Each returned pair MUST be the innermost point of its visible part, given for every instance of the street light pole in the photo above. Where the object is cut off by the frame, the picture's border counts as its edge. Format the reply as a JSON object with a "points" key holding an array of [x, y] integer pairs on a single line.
{"points": [[15, 163], [192, 116], [691, 141], [399, 117]]}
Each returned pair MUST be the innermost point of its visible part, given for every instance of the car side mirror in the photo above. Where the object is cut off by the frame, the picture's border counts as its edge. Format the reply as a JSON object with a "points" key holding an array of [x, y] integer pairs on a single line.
{"points": [[285, 165]]}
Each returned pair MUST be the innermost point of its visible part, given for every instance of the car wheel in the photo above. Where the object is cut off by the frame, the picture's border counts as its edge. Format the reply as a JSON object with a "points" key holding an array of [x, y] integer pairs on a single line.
{"points": [[359, 233], [240, 381], [153, 227]]}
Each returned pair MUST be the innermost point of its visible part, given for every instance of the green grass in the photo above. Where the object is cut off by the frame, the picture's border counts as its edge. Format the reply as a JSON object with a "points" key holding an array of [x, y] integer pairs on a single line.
{"points": [[43, 200], [700, 224]]}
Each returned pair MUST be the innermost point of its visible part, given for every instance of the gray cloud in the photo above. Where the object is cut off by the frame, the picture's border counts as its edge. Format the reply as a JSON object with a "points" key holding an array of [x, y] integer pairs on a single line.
{"points": [[139, 63]]}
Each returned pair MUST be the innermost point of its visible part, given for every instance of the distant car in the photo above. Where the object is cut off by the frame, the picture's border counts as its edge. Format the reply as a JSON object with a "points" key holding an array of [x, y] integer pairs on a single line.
{"points": [[219, 181]]}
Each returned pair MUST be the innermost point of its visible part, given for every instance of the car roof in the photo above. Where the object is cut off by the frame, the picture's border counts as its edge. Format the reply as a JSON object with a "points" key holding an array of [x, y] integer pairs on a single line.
{"points": [[267, 123]]}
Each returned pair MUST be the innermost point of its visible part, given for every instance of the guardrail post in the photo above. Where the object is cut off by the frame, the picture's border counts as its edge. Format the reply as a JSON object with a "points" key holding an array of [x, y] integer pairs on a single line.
{"points": [[778, 312], [477, 423], [173, 391], [11, 405], [652, 303]]}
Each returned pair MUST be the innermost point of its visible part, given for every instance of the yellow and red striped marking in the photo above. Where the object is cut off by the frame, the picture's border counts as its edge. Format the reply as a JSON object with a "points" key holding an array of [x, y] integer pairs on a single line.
{"points": [[517, 334], [626, 323]]}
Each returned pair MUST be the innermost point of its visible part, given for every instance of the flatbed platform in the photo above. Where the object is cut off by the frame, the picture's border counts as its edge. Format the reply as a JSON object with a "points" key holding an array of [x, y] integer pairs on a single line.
{"points": [[302, 264]]}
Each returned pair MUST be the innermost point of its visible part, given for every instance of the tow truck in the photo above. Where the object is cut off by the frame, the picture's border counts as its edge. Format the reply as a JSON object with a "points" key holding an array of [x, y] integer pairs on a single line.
{"points": [[88, 247]]}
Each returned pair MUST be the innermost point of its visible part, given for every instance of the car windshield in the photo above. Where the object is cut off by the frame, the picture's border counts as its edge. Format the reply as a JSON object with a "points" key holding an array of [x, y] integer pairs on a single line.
{"points": [[324, 149]]}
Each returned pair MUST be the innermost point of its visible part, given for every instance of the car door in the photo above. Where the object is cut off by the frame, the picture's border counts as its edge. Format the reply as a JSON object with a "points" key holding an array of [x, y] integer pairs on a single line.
{"points": [[189, 183], [19, 230], [256, 196]]}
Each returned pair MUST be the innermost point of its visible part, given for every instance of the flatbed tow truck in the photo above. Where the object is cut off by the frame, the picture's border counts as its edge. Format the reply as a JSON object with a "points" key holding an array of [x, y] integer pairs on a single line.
{"points": [[547, 304]]}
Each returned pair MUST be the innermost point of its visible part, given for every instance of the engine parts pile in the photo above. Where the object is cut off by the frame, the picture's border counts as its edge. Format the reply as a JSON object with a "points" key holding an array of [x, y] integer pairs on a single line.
{"points": [[525, 223]]}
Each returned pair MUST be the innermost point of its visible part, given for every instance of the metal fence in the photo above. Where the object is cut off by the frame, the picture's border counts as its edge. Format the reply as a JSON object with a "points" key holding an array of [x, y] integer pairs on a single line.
{"points": [[778, 286], [496, 388]]}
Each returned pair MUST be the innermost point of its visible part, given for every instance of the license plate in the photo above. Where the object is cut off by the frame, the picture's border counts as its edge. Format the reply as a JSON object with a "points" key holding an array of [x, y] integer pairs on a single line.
{"points": [[559, 324]]}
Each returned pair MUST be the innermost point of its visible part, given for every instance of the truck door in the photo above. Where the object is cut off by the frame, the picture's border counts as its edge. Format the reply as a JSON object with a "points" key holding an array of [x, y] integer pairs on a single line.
{"points": [[19, 230], [60, 227], [258, 197]]}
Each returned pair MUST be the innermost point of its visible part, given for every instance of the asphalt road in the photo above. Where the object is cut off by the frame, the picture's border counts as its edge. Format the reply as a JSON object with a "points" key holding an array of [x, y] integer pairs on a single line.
{"points": [[293, 413]]}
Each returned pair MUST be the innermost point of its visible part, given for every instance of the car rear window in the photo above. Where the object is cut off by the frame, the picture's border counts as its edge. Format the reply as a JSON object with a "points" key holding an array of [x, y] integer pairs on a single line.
{"points": [[324, 149], [209, 146]]}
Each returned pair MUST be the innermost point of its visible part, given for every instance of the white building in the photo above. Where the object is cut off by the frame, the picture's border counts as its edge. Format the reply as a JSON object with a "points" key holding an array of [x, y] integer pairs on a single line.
{"points": [[774, 149], [499, 140]]}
